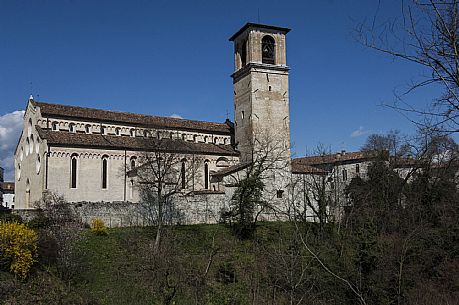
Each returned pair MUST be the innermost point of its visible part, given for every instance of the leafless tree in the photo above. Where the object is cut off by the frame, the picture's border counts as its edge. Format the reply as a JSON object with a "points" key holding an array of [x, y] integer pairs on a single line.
{"points": [[312, 193], [427, 35], [161, 176], [392, 143], [261, 182]]}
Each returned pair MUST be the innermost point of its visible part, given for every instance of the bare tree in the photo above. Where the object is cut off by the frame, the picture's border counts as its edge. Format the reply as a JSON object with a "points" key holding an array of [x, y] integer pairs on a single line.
{"points": [[427, 35], [260, 185], [163, 174], [311, 191], [392, 143]]}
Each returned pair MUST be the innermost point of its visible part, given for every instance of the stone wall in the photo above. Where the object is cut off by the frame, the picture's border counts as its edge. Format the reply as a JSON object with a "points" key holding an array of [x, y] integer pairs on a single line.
{"points": [[192, 209]]}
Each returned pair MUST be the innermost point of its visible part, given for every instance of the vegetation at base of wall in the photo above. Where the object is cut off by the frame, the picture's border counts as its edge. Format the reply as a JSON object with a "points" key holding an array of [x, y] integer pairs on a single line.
{"points": [[98, 227], [7, 216], [206, 264], [397, 244]]}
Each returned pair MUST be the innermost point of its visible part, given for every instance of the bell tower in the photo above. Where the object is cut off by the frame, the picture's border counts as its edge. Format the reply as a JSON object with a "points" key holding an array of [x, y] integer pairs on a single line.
{"points": [[261, 98]]}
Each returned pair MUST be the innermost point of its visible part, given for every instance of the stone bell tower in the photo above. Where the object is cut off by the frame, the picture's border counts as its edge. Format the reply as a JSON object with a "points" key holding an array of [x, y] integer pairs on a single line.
{"points": [[261, 105], [261, 101]]}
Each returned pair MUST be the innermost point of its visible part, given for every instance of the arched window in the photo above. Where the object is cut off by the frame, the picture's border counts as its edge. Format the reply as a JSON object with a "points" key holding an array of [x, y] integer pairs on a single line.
{"points": [[132, 132], [206, 175], [183, 174], [29, 129], [222, 162], [27, 203], [118, 131], [244, 54], [87, 128], [32, 144], [131, 189], [73, 171], [267, 50], [103, 130], [27, 148], [54, 126], [38, 164], [37, 145], [104, 171], [146, 134], [72, 127], [133, 159]]}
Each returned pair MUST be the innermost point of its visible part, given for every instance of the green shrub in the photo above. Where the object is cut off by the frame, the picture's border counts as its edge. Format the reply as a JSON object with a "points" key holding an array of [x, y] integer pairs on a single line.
{"points": [[7, 216], [98, 227], [39, 222], [18, 247]]}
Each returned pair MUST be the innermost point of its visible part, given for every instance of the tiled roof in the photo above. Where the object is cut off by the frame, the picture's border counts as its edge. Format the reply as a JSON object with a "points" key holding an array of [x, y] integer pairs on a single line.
{"points": [[232, 169], [336, 158], [62, 138], [75, 112], [7, 186], [298, 168]]}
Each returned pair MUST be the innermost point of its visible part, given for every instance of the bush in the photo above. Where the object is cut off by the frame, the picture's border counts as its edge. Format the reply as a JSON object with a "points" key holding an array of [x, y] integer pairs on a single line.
{"points": [[18, 247], [39, 222], [98, 227], [7, 216]]}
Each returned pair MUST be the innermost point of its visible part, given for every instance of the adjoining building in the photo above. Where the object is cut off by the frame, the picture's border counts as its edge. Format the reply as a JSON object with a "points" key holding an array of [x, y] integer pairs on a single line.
{"points": [[8, 194]]}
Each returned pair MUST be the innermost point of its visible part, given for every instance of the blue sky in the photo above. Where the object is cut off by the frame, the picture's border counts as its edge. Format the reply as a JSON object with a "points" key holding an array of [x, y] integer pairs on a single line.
{"points": [[174, 57]]}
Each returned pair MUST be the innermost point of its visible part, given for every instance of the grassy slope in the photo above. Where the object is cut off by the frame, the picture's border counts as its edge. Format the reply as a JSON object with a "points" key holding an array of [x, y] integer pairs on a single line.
{"points": [[121, 268]]}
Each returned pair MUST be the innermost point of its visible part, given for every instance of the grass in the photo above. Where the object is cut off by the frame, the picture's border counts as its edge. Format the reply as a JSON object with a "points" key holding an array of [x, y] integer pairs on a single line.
{"points": [[122, 268]]}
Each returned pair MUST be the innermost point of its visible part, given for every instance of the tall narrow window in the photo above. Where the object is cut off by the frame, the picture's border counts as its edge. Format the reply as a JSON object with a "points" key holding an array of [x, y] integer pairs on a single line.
{"points": [[87, 128], [183, 174], [73, 171], [54, 126], [344, 175], [206, 176], [131, 189], [118, 131], [72, 127], [27, 194], [133, 162], [104, 171], [357, 168], [244, 54], [267, 50]]}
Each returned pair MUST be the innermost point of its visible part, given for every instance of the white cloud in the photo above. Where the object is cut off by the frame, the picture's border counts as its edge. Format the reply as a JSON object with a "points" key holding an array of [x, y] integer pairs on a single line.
{"points": [[359, 132], [176, 116], [10, 129]]}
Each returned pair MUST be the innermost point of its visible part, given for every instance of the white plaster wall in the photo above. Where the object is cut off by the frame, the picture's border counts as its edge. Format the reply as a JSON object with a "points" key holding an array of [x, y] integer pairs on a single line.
{"points": [[89, 174], [26, 159]]}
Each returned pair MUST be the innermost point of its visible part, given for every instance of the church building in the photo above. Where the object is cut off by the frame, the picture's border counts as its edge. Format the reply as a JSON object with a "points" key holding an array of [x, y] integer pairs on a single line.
{"points": [[90, 155]]}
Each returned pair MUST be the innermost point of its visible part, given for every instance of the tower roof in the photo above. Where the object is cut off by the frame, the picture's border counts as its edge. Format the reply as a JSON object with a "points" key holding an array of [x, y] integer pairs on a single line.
{"points": [[259, 26]]}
